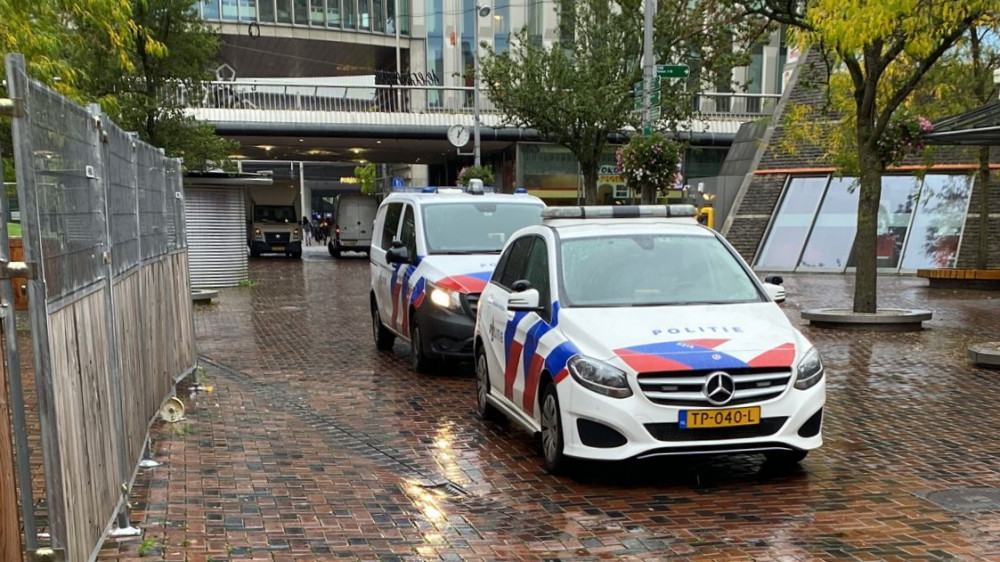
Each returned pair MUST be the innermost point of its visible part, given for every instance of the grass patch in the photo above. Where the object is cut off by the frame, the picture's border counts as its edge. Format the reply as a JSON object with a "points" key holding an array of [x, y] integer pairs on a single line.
{"points": [[247, 283]]}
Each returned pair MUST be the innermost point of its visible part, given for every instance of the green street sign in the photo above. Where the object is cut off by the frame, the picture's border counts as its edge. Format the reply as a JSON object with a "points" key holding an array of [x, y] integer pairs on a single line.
{"points": [[637, 105], [672, 71], [647, 130], [654, 99], [637, 88], [654, 114]]}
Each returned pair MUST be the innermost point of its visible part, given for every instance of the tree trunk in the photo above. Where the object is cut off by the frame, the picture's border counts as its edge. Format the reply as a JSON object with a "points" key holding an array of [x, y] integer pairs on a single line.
{"points": [[866, 241], [648, 195], [983, 183], [590, 170]]}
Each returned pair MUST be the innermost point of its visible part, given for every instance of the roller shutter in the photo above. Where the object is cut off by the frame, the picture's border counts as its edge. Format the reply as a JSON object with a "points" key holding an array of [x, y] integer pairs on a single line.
{"points": [[216, 229]]}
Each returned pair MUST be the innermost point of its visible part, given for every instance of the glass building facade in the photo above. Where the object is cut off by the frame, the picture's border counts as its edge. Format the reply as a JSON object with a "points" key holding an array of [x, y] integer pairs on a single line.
{"points": [[376, 16], [920, 223]]}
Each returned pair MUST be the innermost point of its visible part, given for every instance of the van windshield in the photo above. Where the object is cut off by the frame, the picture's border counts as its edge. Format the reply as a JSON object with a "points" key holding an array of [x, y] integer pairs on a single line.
{"points": [[475, 227], [274, 213]]}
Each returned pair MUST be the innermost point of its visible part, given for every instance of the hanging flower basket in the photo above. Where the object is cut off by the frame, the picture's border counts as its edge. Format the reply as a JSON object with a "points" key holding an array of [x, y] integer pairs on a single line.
{"points": [[484, 173], [650, 163]]}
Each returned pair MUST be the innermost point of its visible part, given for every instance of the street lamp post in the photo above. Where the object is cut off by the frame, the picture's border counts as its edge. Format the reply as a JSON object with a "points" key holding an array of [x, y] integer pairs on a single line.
{"points": [[482, 11]]}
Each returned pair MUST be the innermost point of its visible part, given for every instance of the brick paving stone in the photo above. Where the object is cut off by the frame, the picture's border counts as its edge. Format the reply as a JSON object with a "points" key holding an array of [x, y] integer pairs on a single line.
{"points": [[312, 445]]}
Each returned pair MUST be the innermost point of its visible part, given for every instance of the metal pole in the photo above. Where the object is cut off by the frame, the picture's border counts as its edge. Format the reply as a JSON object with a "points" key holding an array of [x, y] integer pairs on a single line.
{"points": [[10, 530], [17, 84], [475, 85], [649, 8]]}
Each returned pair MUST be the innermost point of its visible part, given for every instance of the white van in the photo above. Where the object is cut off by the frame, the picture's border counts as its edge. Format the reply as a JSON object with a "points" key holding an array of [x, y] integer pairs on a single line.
{"points": [[353, 220], [434, 252]]}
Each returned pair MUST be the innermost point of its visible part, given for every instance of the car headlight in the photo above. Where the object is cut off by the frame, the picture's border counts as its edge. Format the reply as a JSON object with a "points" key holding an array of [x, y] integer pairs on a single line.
{"points": [[809, 370], [296, 235], [444, 298], [599, 376], [258, 235]]}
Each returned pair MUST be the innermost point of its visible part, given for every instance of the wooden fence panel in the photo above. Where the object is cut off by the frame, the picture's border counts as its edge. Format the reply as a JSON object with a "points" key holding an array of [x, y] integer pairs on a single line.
{"points": [[128, 320], [78, 342]]}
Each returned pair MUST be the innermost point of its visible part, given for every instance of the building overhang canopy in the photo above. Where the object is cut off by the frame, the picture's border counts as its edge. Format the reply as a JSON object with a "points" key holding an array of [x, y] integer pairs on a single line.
{"points": [[978, 127]]}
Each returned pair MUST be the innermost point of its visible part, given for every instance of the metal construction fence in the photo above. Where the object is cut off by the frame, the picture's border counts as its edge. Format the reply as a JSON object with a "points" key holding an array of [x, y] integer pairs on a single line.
{"points": [[112, 328]]}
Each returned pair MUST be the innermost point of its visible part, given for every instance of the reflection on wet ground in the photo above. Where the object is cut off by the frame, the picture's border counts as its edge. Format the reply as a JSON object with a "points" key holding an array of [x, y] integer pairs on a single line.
{"points": [[304, 443]]}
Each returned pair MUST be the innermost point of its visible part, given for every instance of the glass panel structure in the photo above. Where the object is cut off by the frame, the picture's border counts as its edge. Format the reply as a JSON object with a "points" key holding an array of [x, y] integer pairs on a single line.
{"points": [[248, 10], [364, 16], [210, 9], [230, 10], [435, 46], [937, 223], [265, 11], [378, 16], [404, 17], [302, 12], [832, 236], [284, 11], [317, 13], [350, 13], [333, 13], [919, 223], [501, 27], [791, 225]]}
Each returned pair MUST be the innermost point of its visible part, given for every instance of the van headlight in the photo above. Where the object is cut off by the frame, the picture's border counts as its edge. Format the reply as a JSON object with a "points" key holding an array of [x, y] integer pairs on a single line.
{"points": [[443, 298], [598, 376], [809, 370]]}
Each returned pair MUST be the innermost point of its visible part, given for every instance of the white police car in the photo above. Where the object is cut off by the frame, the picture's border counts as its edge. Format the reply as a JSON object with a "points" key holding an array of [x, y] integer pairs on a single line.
{"points": [[625, 332], [432, 253]]}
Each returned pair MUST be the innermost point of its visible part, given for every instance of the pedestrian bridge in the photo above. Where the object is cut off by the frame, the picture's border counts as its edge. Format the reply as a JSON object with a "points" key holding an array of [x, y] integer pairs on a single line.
{"points": [[269, 113]]}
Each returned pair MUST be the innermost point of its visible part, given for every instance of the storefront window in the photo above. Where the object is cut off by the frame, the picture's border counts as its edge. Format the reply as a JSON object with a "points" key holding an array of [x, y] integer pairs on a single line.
{"points": [[937, 224], [832, 237], [548, 171], [791, 225]]}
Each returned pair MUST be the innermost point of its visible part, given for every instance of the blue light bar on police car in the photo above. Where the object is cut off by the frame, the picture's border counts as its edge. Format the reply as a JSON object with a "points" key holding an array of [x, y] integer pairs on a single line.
{"points": [[619, 212]]}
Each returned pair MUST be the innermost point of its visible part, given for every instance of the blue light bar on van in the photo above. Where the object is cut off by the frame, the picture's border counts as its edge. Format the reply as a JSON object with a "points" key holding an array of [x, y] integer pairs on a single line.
{"points": [[520, 190], [619, 212]]}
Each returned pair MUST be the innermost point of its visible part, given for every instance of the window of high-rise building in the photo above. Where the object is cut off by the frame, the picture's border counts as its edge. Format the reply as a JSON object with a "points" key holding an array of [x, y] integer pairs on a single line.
{"points": [[364, 15], [210, 9], [302, 12], [501, 27], [265, 11], [333, 13], [283, 11], [317, 13]]}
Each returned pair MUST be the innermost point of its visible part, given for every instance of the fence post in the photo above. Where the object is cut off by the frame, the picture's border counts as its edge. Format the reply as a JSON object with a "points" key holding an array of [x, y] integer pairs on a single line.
{"points": [[18, 86]]}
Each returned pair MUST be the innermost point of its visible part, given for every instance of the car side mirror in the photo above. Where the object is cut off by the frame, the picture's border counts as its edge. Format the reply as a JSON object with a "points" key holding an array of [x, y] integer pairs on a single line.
{"points": [[774, 279], [520, 285], [526, 300], [775, 291], [397, 253]]}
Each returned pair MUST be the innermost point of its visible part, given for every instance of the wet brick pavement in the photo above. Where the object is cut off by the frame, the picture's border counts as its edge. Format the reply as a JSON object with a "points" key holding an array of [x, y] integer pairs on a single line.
{"points": [[307, 444]]}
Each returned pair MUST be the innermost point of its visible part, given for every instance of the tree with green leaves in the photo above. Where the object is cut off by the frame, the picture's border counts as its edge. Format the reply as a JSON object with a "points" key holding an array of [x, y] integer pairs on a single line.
{"points": [[172, 51], [578, 90], [880, 52]]}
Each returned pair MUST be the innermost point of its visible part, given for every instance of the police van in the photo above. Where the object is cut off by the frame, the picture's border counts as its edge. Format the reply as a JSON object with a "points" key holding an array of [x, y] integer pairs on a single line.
{"points": [[432, 252], [635, 332]]}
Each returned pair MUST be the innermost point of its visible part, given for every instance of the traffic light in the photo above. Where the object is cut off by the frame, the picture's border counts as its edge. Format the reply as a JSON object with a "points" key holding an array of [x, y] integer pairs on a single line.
{"points": [[706, 216]]}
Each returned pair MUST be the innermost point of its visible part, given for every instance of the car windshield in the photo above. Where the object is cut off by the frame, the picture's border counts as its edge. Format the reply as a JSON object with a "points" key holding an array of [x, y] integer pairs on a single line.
{"points": [[651, 270], [475, 227]]}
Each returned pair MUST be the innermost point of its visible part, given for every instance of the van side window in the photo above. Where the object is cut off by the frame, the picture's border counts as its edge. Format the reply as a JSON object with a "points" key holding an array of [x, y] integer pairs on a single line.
{"points": [[392, 213], [408, 233]]}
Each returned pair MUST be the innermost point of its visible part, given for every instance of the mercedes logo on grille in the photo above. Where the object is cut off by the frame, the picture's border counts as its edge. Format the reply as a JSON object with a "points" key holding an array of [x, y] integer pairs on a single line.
{"points": [[719, 388]]}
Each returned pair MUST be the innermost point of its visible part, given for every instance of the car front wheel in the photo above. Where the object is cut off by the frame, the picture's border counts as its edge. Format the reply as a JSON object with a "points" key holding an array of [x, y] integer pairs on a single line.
{"points": [[552, 432], [486, 410], [420, 361], [383, 337]]}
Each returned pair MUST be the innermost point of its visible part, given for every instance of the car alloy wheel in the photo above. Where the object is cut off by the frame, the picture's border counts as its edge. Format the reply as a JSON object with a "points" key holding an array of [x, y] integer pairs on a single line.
{"points": [[383, 337], [421, 363], [552, 434], [486, 410]]}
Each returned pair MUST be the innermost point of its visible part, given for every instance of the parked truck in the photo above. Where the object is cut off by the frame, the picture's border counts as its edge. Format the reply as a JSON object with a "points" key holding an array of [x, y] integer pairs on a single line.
{"points": [[273, 221]]}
